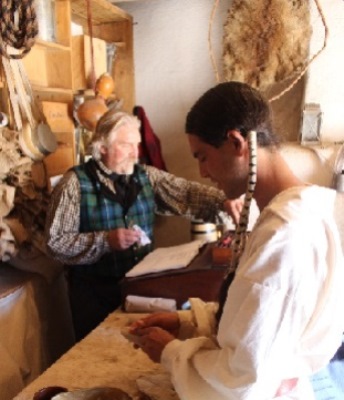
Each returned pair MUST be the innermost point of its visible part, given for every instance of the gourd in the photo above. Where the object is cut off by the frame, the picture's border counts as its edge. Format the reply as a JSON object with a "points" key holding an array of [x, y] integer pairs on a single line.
{"points": [[92, 110], [105, 85]]}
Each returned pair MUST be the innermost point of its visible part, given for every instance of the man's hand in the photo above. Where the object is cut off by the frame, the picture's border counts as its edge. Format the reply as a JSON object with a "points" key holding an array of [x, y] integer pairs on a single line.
{"points": [[233, 208], [122, 238], [153, 341]]}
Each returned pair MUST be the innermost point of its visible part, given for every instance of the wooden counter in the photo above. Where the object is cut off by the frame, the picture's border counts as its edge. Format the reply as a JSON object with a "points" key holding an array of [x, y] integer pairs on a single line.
{"points": [[106, 358], [35, 326]]}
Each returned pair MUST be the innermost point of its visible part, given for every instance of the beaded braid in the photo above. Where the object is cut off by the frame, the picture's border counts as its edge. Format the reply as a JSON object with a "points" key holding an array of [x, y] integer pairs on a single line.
{"points": [[239, 241], [21, 35]]}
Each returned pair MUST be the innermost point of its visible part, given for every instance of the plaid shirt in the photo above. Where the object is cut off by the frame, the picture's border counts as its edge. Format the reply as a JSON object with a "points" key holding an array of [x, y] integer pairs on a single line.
{"points": [[173, 196]]}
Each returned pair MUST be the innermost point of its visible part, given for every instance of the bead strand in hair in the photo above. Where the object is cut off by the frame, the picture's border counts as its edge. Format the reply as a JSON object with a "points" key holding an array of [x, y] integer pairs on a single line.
{"points": [[239, 240]]}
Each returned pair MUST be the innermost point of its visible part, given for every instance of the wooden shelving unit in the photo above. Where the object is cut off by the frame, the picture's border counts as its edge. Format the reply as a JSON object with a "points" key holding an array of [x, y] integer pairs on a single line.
{"points": [[52, 67], [49, 64]]}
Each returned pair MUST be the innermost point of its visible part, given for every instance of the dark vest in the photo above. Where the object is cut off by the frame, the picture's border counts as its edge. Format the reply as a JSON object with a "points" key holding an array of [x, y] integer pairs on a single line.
{"points": [[99, 212]]}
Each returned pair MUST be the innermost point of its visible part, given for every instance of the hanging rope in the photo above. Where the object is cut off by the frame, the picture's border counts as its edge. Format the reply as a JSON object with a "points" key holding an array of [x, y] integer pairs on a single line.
{"points": [[212, 58], [90, 31], [18, 27]]}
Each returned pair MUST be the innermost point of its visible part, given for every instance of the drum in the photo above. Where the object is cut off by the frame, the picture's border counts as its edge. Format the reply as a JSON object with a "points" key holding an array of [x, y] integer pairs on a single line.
{"points": [[204, 230]]}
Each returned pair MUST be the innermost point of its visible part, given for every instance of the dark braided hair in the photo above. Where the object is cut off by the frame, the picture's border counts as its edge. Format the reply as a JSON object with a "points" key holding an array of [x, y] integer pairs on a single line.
{"points": [[233, 106], [18, 27]]}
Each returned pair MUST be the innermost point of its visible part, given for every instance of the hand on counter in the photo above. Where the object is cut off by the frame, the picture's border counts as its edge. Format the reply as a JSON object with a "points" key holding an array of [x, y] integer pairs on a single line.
{"points": [[153, 341], [169, 321], [155, 332]]}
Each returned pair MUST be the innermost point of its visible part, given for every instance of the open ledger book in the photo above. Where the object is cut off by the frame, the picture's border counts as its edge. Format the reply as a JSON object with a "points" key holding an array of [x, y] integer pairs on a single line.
{"points": [[167, 258]]}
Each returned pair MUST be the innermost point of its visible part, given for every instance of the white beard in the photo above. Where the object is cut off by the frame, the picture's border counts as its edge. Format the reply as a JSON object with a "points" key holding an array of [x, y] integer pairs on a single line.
{"points": [[125, 168]]}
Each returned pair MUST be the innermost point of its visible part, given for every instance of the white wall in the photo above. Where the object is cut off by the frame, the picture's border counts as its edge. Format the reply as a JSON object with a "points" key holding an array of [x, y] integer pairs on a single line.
{"points": [[173, 68]]}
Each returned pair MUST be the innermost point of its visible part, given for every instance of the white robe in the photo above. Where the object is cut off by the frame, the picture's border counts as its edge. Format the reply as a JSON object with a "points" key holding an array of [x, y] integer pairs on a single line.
{"points": [[283, 317]]}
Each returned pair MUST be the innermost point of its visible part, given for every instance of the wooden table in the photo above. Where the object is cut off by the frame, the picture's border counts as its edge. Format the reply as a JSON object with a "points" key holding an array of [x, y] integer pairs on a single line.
{"points": [[105, 358]]}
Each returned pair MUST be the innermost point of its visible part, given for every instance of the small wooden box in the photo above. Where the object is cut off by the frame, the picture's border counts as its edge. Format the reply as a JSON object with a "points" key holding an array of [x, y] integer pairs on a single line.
{"points": [[221, 255]]}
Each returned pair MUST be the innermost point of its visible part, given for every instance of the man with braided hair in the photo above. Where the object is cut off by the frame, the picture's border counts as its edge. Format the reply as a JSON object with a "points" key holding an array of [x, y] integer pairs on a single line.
{"points": [[280, 315]]}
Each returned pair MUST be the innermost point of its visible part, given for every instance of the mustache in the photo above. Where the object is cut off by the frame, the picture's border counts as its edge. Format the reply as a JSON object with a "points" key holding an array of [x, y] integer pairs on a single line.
{"points": [[133, 160]]}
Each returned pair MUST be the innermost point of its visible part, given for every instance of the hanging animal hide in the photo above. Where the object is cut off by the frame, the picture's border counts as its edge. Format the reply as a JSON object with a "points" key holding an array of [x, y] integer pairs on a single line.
{"points": [[266, 41], [23, 194]]}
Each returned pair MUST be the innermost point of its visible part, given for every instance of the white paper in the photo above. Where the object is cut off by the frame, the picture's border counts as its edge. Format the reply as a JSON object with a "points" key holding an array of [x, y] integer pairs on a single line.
{"points": [[140, 304], [144, 239], [167, 258]]}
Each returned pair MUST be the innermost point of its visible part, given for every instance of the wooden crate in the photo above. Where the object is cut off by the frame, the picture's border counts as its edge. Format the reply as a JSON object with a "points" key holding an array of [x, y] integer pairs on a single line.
{"points": [[48, 65]]}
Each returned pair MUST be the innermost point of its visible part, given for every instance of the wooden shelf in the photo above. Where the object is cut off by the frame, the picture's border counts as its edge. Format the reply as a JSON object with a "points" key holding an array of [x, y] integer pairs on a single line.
{"points": [[102, 12], [55, 90], [122, 45], [51, 45]]}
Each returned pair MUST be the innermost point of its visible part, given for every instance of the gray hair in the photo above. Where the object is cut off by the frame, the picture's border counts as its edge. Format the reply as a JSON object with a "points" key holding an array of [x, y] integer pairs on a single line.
{"points": [[107, 128]]}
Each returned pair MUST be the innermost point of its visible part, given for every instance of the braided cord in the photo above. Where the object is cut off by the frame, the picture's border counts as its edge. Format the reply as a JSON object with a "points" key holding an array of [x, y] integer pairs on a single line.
{"points": [[239, 240], [18, 27]]}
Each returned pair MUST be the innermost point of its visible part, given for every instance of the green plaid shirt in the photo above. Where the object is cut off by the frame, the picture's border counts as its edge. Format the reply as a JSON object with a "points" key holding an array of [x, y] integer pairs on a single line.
{"points": [[172, 196]]}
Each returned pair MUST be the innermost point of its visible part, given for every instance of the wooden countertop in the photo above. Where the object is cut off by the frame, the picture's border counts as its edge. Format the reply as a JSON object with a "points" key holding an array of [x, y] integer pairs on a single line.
{"points": [[106, 358]]}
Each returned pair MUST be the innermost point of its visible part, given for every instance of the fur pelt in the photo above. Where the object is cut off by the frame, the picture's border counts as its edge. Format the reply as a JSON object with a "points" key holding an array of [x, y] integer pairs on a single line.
{"points": [[266, 41]]}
